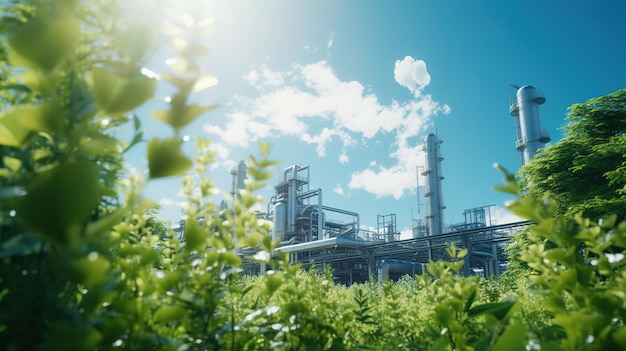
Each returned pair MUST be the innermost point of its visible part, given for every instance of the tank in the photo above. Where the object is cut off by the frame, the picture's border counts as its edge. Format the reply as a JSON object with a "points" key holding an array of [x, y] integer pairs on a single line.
{"points": [[279, 221], [530, 136], [241, 175]]}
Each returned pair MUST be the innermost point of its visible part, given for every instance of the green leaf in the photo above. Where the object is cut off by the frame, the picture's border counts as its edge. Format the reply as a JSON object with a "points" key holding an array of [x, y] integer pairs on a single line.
{"points": [[204, 82], [46, 118], [272, 283], [91, 271], [12, 163], [195, 235], [470, 300], [167, 281], [66, 336], [513, 338], [167, 313], [165, 158], [137, 41], [497, 309], [73, 188], [441, 344], [462, 253], [619, 336], [12, 132], [231, 259], [105, 223], [98, 145], [42, 43], [180, 117], [524, 208], [118, 93]]}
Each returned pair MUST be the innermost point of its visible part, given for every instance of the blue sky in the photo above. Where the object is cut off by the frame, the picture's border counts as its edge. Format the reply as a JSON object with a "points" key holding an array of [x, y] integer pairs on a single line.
{"points": [[351, 88]]}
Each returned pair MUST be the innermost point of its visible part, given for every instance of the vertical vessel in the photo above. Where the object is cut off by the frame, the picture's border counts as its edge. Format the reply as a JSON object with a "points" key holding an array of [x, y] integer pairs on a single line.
{"points": [[525, 110], [432, 171]]}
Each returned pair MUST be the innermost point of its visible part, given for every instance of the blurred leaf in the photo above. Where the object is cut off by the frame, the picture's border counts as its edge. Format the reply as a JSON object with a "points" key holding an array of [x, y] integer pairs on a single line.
{"points": [[497, 309], [511, 186], [46, 118], [441, 344], [12, 163], [137, 41], [60, 201], [42, 43], [470, 300], [524, 208], [513, 338], [91, 271], [167, 281], [105, 223], [12, 132], [195, 235], [272, 283], [230, 258], [167, 313], [462, 253], [190, 49], [70, 337], [118, 93], [180, 118], [619, 336], [204, 82], [98, 145], [165, 158]]}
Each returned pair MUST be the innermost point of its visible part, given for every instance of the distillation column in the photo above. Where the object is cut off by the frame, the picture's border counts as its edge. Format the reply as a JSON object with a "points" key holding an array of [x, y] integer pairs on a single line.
{"points": [[434, 217], [530, 136]]}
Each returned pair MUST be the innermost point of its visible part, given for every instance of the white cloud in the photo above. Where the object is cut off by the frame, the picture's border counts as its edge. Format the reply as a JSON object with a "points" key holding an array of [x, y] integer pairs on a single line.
{"points": [[311, 103], [339, 190], [263, 77], [167, 202], [331, 40], [393, 181], [343, 158], [412, 74], [503, 216]]}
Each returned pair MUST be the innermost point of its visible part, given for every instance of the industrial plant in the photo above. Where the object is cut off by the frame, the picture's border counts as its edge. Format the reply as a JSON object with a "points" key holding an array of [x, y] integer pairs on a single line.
{"points": [[312, 232]]}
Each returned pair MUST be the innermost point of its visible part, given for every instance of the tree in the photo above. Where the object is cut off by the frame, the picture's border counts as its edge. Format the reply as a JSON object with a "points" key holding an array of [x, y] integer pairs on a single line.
{"points": [[585, 172]]}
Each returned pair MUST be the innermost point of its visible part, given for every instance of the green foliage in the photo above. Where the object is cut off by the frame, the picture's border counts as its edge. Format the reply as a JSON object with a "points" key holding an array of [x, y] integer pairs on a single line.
{"points": [[578, 271], [585, 171]]}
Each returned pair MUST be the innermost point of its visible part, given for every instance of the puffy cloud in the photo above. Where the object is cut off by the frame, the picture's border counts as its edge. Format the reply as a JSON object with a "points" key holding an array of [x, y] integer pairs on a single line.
{"points": [[504, 216], [339, 190], [311, 103], [263, 77], [343, 158], [412, 74], [167, 202], [391, 181]]}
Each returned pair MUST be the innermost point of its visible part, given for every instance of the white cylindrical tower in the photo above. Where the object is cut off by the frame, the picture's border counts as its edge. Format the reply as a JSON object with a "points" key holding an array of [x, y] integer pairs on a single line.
{"points": [[279, 220], [434, 217], [530, 136], [242, 175]]}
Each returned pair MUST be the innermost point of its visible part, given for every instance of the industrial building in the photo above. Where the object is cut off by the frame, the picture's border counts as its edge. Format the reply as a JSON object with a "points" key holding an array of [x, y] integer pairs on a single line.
{"points": [[312, 232]]}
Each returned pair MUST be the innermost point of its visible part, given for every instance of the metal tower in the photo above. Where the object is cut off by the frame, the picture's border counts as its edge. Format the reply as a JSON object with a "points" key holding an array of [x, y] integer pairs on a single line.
{"points": [[530, 136], [240, 174], [434, 217]]}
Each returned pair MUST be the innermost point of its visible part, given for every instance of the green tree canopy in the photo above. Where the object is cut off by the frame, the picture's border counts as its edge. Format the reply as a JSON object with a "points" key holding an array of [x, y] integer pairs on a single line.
{"points": [[585, 172]]}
